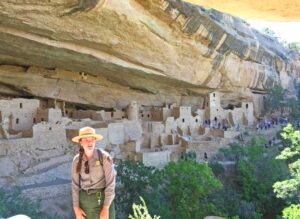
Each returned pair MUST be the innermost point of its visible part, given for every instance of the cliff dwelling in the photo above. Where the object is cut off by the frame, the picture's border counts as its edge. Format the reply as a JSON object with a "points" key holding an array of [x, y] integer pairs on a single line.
{"points": [[154, 135], [158, 79]]}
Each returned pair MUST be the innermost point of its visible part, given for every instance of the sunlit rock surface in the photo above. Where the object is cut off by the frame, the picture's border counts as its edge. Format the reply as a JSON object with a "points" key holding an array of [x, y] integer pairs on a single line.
{"points": [[263, 10], [107, 53]]}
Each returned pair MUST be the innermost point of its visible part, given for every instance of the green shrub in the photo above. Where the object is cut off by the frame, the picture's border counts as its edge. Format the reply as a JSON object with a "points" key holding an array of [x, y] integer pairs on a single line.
{"points": [[136, 180], [141, 211], [12, 203], [292, 212], [289, 189], [185, 186], [248, 189]]}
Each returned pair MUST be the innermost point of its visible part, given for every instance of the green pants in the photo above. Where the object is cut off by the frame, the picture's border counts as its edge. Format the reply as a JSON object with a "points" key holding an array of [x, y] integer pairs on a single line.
{"points": [[90, 205]]}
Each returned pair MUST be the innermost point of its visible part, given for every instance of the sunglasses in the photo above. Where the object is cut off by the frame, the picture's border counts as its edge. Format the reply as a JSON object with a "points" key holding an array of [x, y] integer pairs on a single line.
{"points": [[86, 167]]}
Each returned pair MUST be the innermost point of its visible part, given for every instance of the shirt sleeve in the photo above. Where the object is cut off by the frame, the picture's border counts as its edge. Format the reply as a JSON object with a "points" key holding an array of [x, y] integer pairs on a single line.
{"points": [[110, 179], [75, 184]]}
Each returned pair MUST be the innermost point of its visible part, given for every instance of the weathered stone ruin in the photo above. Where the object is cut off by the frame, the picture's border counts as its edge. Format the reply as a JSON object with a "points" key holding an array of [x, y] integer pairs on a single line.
{"points": [[154, 135]]}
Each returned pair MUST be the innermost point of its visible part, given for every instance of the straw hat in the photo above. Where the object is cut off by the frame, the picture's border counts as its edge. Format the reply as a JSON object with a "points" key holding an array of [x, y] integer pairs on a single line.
{"points": [[87, 132]]}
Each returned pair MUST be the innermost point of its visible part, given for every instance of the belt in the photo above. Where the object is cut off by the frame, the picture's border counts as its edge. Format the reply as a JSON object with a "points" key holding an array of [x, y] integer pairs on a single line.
{"points": [[92, 191]]}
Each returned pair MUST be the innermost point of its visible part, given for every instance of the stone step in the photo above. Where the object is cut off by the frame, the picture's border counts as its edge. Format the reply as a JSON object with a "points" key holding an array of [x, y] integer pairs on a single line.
{"points": [[49, 164], [54, 196], [46, 184], [61, 171], [48, 190]]}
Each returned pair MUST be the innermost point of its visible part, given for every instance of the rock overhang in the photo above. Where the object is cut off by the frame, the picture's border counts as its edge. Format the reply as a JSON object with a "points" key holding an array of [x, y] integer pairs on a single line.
{"points": [[155, 47]]}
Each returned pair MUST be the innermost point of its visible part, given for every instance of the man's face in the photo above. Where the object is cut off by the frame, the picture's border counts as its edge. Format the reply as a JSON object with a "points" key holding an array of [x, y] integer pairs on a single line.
{"points": [[88, 144]]}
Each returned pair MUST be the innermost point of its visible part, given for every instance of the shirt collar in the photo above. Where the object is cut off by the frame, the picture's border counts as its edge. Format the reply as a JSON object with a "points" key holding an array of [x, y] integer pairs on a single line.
{"points": [[95, 156]]}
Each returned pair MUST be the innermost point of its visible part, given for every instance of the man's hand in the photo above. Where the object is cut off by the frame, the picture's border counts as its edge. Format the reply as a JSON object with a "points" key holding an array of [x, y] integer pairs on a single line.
{"points": [[104, 214], [79, 213]]}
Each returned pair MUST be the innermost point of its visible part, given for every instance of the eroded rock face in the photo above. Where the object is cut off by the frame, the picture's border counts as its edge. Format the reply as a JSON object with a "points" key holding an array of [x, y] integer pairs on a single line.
{"points": [[108, 53], [264, 9]]}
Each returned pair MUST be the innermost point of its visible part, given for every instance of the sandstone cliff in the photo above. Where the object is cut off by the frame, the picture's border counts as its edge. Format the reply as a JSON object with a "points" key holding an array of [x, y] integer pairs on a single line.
{"points": [[107, 53], [257, 10]]}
